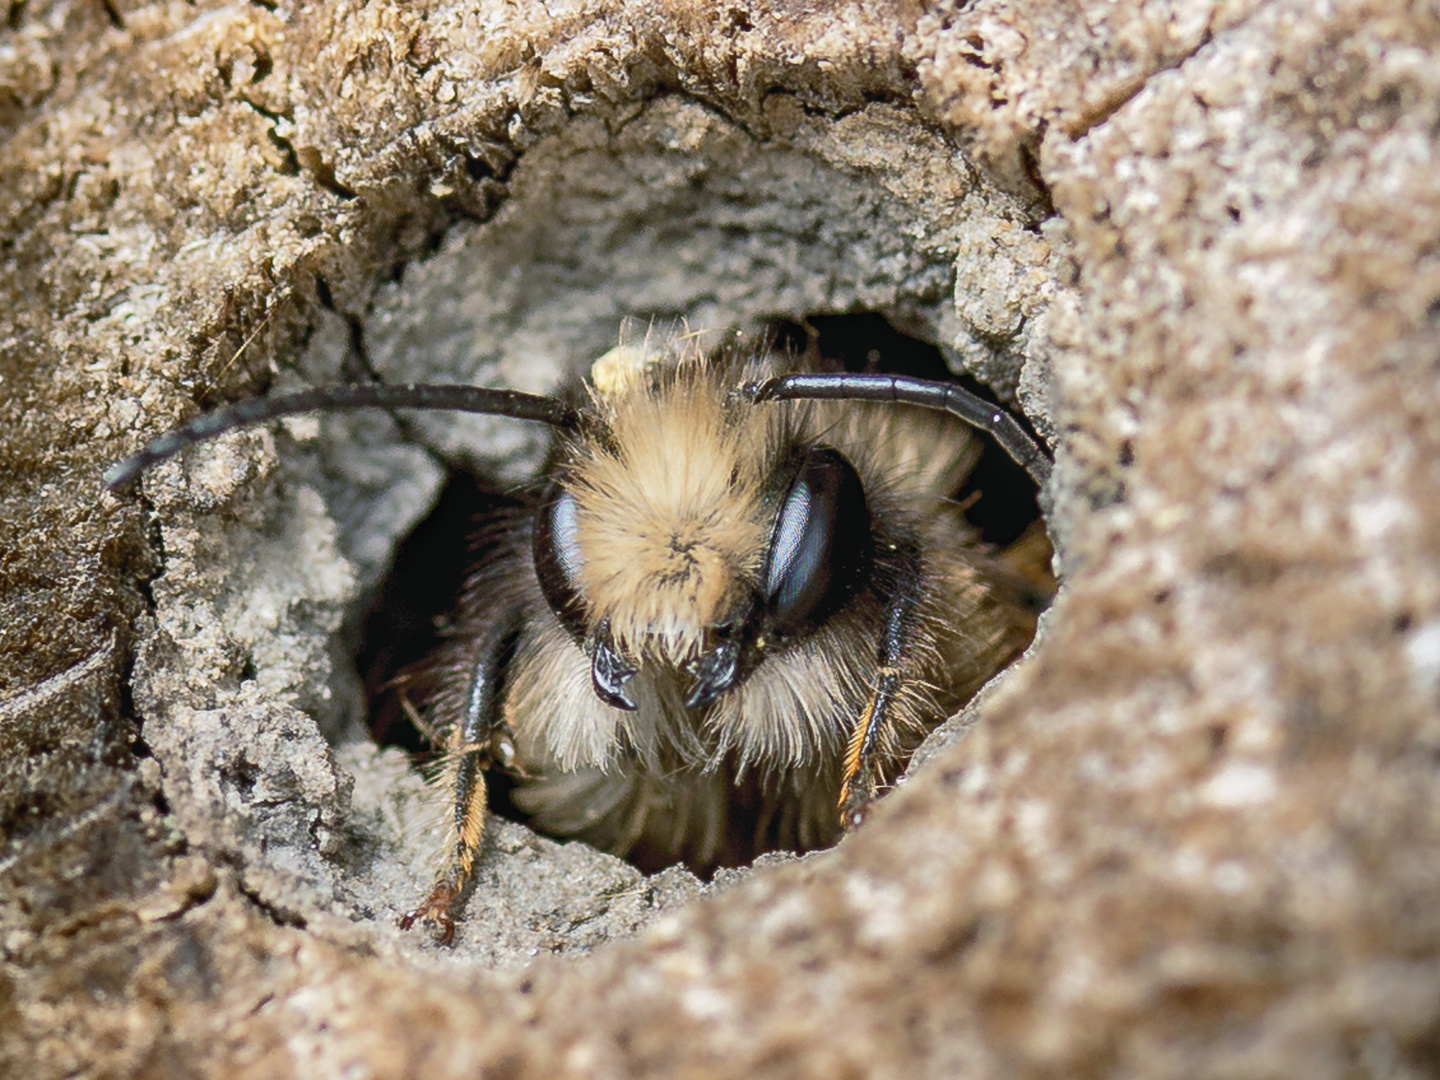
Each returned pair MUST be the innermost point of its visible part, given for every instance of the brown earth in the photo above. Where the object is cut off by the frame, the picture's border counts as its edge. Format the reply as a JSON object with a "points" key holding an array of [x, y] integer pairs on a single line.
{"points": [[1196, 832]]}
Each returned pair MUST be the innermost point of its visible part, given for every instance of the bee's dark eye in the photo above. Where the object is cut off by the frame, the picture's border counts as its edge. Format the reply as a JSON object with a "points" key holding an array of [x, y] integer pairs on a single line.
{"points": [[821, 543], [558, 559]]}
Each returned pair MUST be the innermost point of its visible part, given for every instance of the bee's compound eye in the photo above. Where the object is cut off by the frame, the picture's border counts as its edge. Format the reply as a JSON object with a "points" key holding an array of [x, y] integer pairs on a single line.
{"points": [[821, 543], [558, 560]]}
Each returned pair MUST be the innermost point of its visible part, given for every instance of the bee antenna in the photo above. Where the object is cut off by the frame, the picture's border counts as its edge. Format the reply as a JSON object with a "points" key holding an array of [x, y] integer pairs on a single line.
{"points": [[471, 399], [908, 390]]}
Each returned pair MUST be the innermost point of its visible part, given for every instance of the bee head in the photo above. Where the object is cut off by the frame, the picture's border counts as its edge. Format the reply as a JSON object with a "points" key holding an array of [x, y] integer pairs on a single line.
{"points": [[695, 535]]}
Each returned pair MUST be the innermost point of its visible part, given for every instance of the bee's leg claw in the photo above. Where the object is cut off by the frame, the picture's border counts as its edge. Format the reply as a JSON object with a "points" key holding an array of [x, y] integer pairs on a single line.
{"points": [[435, 913], [856, 816], [857, 799]]}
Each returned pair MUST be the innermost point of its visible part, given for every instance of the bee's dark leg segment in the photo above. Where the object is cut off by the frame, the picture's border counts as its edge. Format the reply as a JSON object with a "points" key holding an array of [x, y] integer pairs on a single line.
{"points": [[468, 744], [861, 775]]}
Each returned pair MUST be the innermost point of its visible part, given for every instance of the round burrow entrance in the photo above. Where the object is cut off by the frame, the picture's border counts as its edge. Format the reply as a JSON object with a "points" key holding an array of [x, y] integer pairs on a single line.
{"points": [[415, 606], [869, 238]]}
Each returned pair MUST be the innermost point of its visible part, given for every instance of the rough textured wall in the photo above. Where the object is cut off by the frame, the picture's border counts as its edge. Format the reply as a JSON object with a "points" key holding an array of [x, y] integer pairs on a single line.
{"points": [[1195, 832]]}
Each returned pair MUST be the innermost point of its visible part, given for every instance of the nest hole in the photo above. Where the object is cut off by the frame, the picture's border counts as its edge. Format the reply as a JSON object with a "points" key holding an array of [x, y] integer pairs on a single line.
{"points": [[405, 622]]}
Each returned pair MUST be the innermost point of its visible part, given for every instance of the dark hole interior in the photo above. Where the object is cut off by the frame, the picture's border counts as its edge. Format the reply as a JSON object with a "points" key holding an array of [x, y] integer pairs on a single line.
{"points": [[402, 626]]}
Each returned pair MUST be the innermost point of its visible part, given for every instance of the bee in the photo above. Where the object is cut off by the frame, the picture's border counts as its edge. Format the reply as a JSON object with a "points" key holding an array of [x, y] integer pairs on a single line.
{"points": [[738, 597]]}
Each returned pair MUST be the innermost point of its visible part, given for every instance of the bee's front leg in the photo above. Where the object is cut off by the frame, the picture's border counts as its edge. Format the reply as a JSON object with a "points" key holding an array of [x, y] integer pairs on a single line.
{"points": [[454, 882], [470, 743], [869, 742], [861, 779]]}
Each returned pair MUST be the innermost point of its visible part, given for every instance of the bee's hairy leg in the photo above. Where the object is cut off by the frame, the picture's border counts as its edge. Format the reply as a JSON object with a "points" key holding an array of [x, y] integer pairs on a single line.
{"points": [[468, 745], [862, 770], [454, 883]]}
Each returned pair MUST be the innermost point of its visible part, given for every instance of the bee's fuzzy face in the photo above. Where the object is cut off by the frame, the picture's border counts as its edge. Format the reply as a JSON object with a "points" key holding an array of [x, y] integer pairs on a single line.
{"points": [[672, 520]]}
